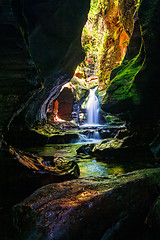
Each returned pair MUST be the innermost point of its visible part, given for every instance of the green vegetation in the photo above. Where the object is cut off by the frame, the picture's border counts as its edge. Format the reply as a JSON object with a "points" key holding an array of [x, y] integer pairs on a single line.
{"points": [[80, 87], [99, 60], [92, 38], [138, 2], [103, 75], [111, 120], [122, 86]]}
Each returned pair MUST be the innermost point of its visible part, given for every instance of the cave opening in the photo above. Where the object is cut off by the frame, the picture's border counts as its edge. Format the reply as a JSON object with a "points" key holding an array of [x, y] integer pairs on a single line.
{"points": [[63, 62]]}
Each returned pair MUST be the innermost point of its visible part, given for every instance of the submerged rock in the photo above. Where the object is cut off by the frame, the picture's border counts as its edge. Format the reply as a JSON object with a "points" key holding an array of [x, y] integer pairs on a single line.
{"points": [[87, 148], [87, 209]]}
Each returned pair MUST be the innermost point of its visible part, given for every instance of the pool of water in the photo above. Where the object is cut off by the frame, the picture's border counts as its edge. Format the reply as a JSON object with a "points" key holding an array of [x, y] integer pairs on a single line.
{"points": [[89, 166]]}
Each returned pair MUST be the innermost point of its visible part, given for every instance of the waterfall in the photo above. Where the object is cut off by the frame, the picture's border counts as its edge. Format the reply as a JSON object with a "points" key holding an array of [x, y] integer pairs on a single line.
{"points": [[92, 108]]}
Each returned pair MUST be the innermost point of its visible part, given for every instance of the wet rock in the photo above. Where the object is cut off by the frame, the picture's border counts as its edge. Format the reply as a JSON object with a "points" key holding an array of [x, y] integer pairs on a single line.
{"points": [[118, 19], [57, 167], [108, 133], [153, 219], [21, 173], [87, 149], [123, 149], [63, 138], [23, 138], [122, 133], [36, 61], [87, 209], [155, 146], [81, 95], [18, 74]]}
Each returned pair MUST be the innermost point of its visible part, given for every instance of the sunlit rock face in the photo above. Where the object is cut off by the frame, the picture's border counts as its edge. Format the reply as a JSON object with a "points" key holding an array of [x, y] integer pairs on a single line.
{"points": [[135, 85], [40, 49], [66, 101], [118, 18]]}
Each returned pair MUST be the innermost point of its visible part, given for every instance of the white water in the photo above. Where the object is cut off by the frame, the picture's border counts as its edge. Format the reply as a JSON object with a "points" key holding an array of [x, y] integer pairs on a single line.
{"points": [[92, 124], [92, 108], [91, 137]]}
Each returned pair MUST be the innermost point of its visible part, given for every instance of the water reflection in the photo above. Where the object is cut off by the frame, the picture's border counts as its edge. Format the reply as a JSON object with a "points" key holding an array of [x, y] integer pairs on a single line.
{"points": [[88, 166]]}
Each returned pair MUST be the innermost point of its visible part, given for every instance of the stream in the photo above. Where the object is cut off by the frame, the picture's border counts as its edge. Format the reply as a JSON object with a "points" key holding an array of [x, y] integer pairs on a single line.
{"points": [[89, 133], [89, 166]]}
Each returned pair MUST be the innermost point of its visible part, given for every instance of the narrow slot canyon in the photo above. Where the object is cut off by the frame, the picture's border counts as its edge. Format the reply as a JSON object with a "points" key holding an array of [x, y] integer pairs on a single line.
{"points": [[80, 119]]}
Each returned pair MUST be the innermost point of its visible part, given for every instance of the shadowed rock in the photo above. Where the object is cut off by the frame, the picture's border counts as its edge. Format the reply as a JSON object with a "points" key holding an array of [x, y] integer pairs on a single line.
{"points": [[87, 209], [46, 164], [22, 173]]}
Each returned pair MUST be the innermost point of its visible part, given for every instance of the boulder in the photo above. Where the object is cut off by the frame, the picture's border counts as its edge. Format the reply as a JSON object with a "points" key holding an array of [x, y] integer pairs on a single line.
{"points": [[87, 209], [123, 149], [86, 149]]}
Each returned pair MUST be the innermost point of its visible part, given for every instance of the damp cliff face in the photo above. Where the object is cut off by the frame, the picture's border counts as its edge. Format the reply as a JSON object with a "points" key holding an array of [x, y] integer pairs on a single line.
{"points": [[135, 85], [40, 49], [118, 18]]}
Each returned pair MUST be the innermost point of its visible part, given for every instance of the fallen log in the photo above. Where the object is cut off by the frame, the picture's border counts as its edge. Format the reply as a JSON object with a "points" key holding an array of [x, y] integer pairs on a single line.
{"points": [[87, 208]]}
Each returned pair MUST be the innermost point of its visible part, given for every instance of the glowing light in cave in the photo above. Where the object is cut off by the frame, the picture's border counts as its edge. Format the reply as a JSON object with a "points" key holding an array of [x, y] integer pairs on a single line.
{"points": [[59, 119]]}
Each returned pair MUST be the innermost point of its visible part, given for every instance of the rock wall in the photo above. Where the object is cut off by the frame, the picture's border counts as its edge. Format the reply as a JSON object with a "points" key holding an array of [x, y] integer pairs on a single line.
{"points": [[18, 74], [63, 104], [118, 18], [134, 87], [40, 49], [55, 40]]}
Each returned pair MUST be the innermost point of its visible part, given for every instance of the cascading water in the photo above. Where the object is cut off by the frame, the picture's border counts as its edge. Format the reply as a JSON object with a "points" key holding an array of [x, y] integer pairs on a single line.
{"points": [[92, 108], [92, 125]]}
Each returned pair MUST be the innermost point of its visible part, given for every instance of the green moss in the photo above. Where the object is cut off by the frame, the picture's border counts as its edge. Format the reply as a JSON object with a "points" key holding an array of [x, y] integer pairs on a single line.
{"points": [[137, 3], [122, 86], [102, 53], [111, 119], [80, 87], [92, 37]]}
